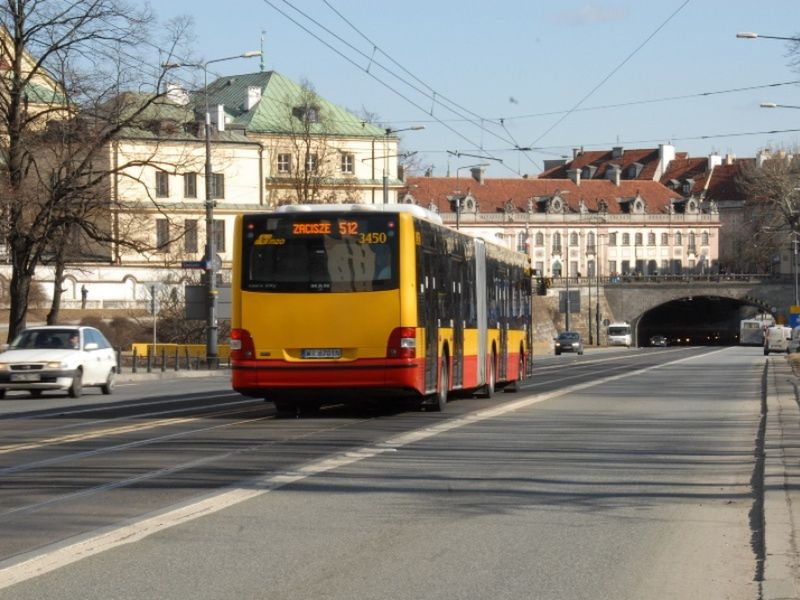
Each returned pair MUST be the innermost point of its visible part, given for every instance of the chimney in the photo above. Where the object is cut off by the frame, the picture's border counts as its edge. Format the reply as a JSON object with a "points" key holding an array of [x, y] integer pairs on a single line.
{"points": [[714, 160], [576, 152], [614, 174], [477, 174], [574, 175], [666, 154], [730, 158], [218, 116], [253, 97], [616, 152]]}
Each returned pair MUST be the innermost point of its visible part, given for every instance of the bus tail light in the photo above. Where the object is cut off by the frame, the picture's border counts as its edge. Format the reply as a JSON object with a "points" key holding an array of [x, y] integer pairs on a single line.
{"points": [[242, 347], [402, 343]]}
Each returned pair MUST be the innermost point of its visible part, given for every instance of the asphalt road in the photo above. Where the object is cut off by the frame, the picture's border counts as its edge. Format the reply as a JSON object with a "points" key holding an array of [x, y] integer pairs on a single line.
{"points": [[616, 474]]}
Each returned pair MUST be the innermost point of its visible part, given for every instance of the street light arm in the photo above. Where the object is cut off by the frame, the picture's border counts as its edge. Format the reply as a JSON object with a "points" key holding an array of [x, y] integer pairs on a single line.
{"points": [[750, 35], [774, 105]]}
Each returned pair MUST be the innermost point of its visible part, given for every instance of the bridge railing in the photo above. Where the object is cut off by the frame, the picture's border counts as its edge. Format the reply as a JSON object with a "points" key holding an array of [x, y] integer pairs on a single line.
{"points": [[669, 279]]}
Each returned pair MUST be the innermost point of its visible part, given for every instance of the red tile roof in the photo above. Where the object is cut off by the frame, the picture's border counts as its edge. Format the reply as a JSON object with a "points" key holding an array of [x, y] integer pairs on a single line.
{"points": [[723, 185], [493, 194], [602, 159]]}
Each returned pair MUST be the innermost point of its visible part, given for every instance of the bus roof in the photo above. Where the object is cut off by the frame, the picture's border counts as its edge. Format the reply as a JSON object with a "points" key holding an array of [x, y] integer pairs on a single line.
{"points": [[413, 209]]}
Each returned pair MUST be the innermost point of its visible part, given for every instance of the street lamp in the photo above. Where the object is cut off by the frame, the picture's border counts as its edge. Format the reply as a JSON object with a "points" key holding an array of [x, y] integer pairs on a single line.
{"points": [[774, 105], [210, 261], [390, 131], [749, 35]]}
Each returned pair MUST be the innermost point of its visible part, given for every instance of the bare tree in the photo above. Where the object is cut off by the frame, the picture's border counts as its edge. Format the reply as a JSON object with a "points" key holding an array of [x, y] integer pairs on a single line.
{"points": [[61, 108], [772, 210]]}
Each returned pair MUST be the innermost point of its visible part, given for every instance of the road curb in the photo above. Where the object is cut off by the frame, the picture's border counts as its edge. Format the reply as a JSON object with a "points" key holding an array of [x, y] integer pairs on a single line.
{"points": [[781, 484], [142, 376]]}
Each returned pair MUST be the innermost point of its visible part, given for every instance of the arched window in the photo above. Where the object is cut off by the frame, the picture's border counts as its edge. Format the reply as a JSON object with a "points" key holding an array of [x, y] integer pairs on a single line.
{"points": [[651, 239], [522, 242], [590, 243], [678, 238], [638, 239], [539, 238], [665, 239], [573, 239], [626, 239], [704, 238], [557, 269], [557, 243]]}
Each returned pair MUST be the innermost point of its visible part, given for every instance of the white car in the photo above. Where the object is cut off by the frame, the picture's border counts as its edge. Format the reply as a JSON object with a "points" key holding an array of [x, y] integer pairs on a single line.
{"points": [[58, 357]]}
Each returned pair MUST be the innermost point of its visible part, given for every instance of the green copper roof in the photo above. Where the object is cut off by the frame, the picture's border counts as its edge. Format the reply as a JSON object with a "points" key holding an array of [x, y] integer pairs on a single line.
{"points": [[41, 94], [274, 114]]}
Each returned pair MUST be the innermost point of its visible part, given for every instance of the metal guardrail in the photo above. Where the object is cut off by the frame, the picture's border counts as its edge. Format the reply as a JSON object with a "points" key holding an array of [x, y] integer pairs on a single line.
{"points": [[163, 360]]}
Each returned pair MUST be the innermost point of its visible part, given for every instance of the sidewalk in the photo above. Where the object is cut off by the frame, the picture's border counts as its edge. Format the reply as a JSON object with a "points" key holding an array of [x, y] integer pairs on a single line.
{"points": [[781, 482]]}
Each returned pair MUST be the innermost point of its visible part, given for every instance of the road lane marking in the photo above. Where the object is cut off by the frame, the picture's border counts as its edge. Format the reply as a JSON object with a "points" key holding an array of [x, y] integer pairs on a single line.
{"points": [[62, 554], [109, 431]]}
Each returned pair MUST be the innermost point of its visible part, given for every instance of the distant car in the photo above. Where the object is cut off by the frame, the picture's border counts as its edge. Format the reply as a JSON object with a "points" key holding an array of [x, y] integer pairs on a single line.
{"points": [[658, 340], [568, 341], [58, 357]]}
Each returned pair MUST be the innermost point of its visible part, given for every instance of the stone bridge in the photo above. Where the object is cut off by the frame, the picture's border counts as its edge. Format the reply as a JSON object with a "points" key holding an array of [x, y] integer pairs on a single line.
{"points": [[630, 299]]}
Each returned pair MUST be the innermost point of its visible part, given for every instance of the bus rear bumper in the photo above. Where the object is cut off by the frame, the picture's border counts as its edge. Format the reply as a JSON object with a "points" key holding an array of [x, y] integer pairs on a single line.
{"points": [[262, 378]]}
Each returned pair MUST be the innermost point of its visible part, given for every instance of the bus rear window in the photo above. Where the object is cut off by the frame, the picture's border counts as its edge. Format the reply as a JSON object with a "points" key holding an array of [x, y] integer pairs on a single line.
{"points": [[319, 253]]}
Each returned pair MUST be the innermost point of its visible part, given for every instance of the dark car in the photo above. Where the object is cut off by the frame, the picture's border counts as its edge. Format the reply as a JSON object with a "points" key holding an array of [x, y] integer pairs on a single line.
{"points": [[568, 341], [658, 340]]}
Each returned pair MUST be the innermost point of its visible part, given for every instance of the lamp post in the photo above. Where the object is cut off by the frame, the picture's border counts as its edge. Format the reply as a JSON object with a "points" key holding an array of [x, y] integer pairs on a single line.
{"points": [[390, 131], [591, 250], [795, 241], [210, 261]]}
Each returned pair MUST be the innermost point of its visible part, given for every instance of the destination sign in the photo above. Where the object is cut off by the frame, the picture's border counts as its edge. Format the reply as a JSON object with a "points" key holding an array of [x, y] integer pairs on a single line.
{"points": [[325, 228]]}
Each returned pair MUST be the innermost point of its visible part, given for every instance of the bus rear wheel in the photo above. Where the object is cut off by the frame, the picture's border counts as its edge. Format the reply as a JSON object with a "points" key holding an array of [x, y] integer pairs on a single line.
{"points": [[440, 397], [487, 391], [514, 385]]}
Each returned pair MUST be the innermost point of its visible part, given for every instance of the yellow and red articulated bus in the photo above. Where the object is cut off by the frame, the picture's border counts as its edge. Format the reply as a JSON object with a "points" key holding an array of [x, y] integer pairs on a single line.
{"points": [[341, 302]]}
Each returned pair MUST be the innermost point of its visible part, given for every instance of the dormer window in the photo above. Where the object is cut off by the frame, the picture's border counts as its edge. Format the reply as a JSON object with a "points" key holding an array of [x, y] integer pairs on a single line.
{"points": [[307, 114]]}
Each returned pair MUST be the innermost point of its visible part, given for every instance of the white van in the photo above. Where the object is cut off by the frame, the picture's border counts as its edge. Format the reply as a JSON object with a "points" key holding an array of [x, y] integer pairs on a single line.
{"points": [[620, 334], [777, 338]]}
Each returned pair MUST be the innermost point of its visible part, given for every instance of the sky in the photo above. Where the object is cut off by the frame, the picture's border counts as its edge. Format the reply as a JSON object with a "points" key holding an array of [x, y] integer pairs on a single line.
{"points": [[512, 83]]}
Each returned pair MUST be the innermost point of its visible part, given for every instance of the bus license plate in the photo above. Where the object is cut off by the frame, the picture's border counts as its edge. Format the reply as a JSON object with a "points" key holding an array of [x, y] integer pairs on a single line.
{"points": [[25, 377], [321, 353]]}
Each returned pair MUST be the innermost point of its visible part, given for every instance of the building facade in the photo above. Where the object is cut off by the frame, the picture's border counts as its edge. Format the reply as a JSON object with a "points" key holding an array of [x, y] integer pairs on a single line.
{"points": [[595, 228]]}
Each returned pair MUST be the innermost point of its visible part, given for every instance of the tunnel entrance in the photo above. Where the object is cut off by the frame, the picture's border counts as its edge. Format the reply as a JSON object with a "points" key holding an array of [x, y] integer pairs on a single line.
{"points": [[696, 321]]}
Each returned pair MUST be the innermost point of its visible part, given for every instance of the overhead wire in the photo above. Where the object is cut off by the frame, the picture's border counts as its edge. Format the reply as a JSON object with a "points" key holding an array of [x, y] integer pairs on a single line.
{"points": [[431, 96], [611, 73]]}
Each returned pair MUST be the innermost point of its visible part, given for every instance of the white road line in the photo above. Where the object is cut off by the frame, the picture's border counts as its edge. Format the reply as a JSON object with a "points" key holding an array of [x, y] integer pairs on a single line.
{"points": [[60, 555]]}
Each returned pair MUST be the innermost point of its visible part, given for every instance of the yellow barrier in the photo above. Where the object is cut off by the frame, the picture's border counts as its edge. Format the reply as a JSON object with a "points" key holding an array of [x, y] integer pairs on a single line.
{"points": [[195, 350]]}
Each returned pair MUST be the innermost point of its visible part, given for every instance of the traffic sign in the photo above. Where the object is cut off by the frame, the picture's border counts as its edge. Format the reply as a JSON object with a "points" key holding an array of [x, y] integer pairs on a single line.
{"points": [[193, 264]]}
